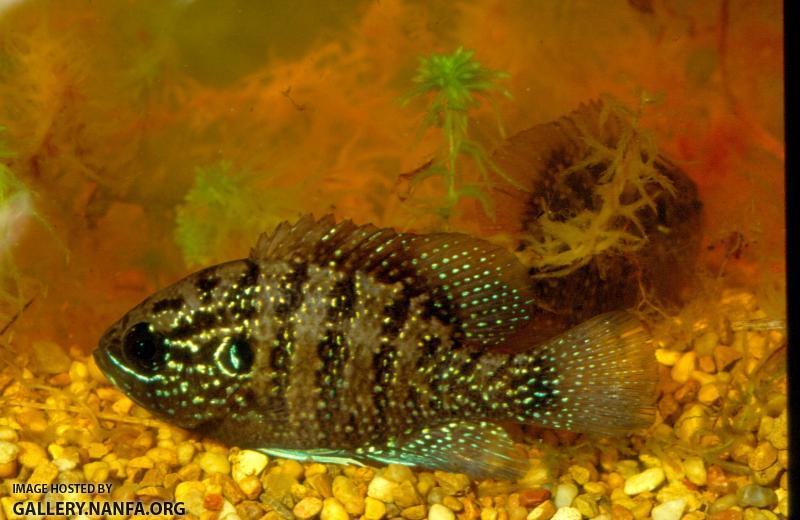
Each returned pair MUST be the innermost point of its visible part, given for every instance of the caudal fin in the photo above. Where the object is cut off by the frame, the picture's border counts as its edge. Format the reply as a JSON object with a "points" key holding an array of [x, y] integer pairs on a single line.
{"points": [[606, 376]]}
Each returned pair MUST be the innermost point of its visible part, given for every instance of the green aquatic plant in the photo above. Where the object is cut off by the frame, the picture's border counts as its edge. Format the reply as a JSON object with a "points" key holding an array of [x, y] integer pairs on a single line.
{"points": [[15, 208], [628, 183], [9, 184], [455, 84], [17, 212], [224, 210]]}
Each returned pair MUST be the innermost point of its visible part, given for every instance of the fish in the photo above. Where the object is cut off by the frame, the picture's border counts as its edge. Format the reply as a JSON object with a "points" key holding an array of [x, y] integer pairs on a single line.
{"points": [[345, 343]]}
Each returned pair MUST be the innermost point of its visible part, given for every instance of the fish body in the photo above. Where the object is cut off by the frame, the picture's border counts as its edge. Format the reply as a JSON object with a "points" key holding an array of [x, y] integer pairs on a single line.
{"points": [[346, 343]]}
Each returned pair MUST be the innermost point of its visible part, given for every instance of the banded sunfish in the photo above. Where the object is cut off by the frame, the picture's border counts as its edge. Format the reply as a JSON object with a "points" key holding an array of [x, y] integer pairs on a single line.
{"points": [[346, 343]]}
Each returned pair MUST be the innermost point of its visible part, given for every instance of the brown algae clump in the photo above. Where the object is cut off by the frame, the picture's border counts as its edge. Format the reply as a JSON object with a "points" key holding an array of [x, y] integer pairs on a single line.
{"points": [[609, 221]]}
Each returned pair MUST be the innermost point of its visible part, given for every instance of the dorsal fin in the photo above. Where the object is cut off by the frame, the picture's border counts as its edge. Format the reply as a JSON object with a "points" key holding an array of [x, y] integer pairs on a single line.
{"points": [[483, 285]]}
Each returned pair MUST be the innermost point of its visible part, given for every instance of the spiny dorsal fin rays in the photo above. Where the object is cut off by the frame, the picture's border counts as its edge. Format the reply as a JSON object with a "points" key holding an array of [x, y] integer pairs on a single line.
{"points": [[486, 283], [483, 285]]}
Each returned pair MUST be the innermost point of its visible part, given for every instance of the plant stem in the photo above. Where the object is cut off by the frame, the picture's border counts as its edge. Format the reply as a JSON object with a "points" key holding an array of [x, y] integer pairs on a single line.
{"points": [[451, 159]]}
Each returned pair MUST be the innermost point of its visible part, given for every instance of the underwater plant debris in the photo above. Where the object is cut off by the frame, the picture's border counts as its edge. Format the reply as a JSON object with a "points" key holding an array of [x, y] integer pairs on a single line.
{"points": [[627, 183], [609, 222]]}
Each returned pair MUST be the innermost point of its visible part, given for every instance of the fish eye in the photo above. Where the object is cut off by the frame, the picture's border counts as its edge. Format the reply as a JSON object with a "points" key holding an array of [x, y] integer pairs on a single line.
{"points": [[238, 357], [144, 348]]}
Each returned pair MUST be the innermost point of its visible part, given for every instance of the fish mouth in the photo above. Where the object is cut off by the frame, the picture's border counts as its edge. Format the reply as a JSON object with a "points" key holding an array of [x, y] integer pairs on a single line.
{"points": [[109, 364], [102, 358]]}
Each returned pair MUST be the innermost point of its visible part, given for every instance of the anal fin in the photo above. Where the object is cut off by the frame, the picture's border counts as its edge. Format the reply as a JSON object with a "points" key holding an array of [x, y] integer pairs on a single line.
{"points": [[478, 449]]}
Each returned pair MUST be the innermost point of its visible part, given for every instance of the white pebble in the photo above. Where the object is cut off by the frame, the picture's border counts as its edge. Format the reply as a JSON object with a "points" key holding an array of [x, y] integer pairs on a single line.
{"points": [[228, 512], [647, 480], [191, 494], [213, 462], [248, 463], [8, 452], [382, 489], [440, 512], [567, 513], [8, 434], [564, 495], [672, 510]]}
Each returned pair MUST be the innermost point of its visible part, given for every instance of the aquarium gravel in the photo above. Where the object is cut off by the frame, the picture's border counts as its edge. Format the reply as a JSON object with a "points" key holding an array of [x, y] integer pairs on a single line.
{"points": [[717, 450]]}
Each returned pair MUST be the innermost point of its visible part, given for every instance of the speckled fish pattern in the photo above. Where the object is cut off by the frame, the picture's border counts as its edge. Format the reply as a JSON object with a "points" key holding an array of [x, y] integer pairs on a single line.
{"points": [[345, 343]]}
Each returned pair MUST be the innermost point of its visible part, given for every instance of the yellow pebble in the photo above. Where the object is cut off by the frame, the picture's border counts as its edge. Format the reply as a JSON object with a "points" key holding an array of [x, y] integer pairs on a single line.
{"points": [[250, 486], [97, 450], [452, 503], [213, 462], [107, 393], [165, 455], [580, 474], [647, 480], [695, 470], [374, 509], [185, 453], [78, 371], [8, 504], [762, 457], [693, 419], [31, 455], [705, 343], [708, 394], [684, 367], [702, 378], [307, 508], [667, 357], [315, 469], [44, 474], [615, 480], [122, 406], [94, 371], [488, 513], [96, 471], [140, 463], [596, 488], [543, 511], [651, 461], [706, 364], [293, 468], [332, 509], [8, 434]]}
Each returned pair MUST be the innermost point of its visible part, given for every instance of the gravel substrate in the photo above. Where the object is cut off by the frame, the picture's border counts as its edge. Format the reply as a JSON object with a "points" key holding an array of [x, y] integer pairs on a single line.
{"points": [[718, 449]]}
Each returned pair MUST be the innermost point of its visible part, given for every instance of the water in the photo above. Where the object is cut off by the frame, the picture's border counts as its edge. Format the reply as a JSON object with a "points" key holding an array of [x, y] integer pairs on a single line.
{"points": [[142, 142]]}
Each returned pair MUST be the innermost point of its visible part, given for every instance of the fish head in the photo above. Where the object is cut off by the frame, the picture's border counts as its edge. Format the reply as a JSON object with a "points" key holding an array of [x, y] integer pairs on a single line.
{"points": [[186, 353]]}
